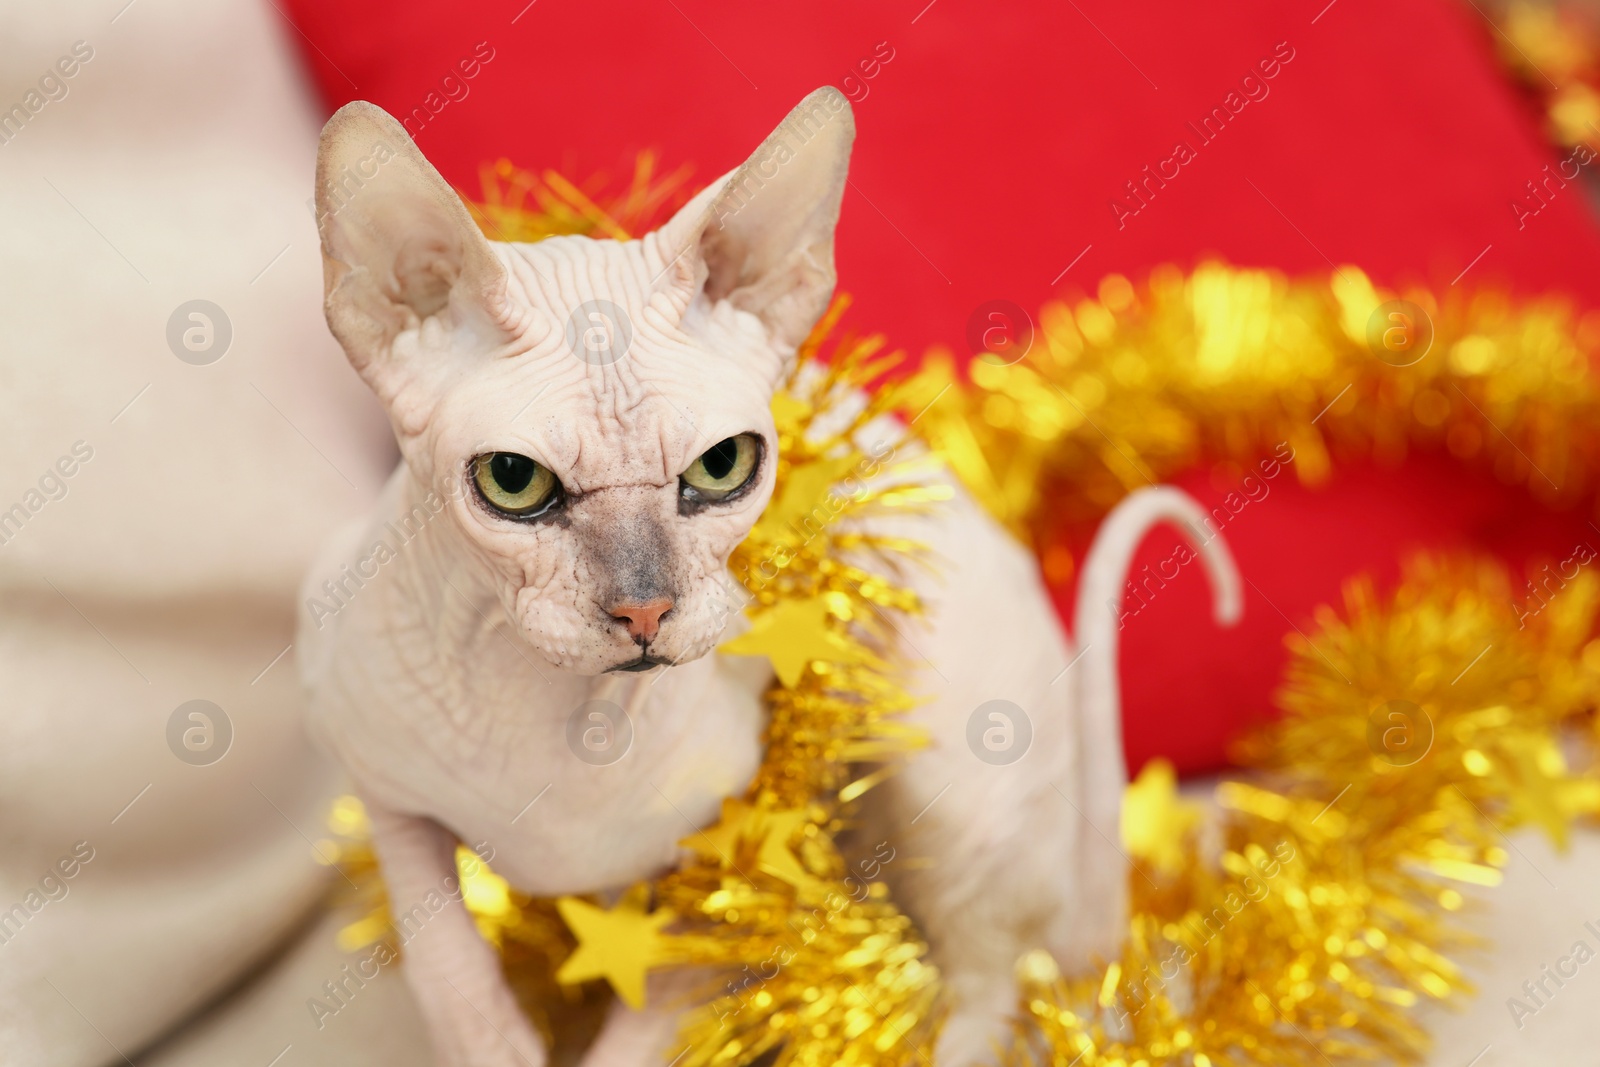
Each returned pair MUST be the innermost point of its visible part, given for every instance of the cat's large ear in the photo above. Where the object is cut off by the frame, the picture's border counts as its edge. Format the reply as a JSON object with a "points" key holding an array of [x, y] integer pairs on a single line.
{"points": [[399, 248], [762, 236]]}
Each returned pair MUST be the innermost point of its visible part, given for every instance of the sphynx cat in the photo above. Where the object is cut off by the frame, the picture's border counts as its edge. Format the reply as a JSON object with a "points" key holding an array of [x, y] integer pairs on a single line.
{"points": [[569, 512]]}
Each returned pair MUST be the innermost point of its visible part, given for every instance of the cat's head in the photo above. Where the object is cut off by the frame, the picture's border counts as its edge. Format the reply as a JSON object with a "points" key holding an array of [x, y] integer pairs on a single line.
{"points": [[595, 414]]}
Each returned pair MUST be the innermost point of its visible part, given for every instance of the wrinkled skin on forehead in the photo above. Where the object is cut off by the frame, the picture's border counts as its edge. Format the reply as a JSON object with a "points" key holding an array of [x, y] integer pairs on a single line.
{"points": [[478, 347], [617, 435]]}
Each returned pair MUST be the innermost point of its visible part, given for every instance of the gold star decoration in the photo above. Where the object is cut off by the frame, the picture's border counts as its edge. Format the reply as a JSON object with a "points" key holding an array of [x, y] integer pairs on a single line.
{"points": [[806, 487], [1545, 796], [1155, 820], [774, 856], [791, 414], [721, 842], [619, 945], [742, 824], [791, 634]]}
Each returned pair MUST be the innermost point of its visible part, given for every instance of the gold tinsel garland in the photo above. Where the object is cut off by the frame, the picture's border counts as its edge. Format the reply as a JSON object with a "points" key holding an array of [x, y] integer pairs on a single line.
{"points": [[1137, 384], [1553, 50], [1308, 923], [1328, 909]]}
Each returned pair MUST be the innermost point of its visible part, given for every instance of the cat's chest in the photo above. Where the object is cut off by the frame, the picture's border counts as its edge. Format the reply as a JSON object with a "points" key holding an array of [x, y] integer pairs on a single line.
{"points": [[571, 785], [601, 818]]}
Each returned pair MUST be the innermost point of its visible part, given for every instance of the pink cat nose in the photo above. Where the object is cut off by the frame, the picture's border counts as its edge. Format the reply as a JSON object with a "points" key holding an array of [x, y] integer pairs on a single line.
{"points": [[642, 617]]}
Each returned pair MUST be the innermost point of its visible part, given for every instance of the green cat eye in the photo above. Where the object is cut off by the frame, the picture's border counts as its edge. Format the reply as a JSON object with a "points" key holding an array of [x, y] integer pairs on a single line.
{"points": [[514, 485], [723, 469]]}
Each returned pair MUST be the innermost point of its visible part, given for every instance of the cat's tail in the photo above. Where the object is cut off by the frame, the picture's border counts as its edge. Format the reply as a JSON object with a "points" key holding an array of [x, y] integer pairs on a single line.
{"points": [[1099, 619]]}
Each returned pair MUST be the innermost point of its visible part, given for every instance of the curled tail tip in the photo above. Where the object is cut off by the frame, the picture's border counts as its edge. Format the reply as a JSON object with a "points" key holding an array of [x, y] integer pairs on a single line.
{"points": [[1227, 606], [1227, 602], [1227, 586]]}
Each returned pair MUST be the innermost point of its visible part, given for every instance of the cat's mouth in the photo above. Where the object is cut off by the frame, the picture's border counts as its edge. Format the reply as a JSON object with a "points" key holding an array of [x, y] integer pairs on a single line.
{"points": [[643, 663]]}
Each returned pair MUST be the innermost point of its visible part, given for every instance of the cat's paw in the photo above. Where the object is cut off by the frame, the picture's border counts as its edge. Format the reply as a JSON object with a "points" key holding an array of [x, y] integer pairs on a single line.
{"points": [[464, 1036], [973, 1037], [499, 1052]]}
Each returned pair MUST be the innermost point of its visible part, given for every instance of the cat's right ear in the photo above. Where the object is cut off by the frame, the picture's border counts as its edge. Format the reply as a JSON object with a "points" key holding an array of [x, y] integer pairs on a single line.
{"points": [[398, 249]]}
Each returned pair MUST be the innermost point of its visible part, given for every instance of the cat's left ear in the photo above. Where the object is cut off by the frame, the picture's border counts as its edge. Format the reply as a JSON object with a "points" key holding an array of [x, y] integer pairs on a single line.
{"points": [[762, 236]]}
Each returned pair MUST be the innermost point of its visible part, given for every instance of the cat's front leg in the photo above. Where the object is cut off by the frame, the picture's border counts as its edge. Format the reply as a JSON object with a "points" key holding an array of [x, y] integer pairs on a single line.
{"points": [[470, 1011], [648, 1036]]}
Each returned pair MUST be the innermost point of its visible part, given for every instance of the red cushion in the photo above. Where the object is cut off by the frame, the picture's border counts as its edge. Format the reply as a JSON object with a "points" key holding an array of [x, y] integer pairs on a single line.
{"points": [[991, 147]]}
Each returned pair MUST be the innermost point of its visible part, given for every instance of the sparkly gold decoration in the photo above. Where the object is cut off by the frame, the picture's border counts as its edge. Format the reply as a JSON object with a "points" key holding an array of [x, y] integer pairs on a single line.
{"points": [[1327, 915], [769, 832], [792, 635], [1244, 367], [1304, 927], [518, 205], [619, 945], [1554, 51], [1155, 821]]}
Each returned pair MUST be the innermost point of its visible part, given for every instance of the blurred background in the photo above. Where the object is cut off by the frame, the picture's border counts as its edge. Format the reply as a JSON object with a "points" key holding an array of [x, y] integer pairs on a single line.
{"points": [[180, 433]]}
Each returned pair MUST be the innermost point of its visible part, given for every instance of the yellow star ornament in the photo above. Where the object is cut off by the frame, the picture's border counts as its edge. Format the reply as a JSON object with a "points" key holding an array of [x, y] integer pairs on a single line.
{"points": [[791, 634], [1155, 819], [620, 945], [743, 824], [804, 495], [721, 842], [774, 856]]}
